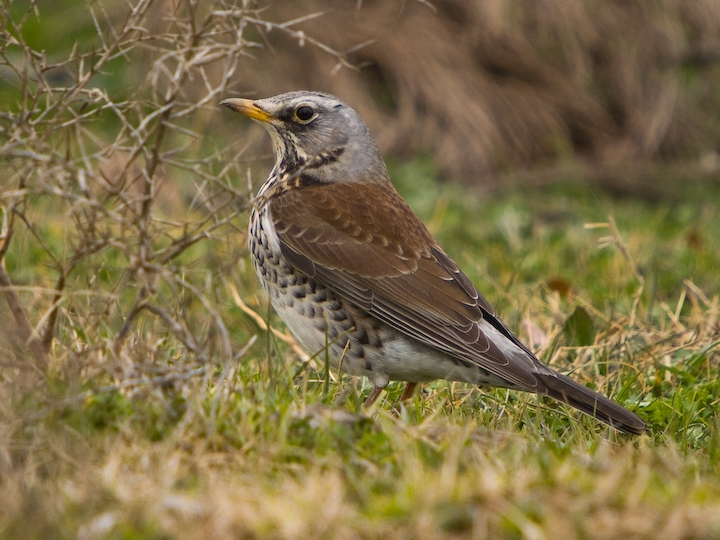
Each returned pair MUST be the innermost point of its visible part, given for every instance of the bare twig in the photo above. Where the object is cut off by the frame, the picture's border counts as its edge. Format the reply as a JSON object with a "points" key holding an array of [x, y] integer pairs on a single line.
{"points": [[24, 327], [119, 171]]}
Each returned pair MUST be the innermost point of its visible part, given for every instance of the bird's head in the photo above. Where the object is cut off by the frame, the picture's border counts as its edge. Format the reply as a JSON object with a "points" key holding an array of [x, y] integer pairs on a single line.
{"points": [[317, 133]]}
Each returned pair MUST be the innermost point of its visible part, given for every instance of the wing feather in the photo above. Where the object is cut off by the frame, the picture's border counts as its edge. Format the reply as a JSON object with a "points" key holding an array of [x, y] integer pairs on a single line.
{"points": [[363, 241]]}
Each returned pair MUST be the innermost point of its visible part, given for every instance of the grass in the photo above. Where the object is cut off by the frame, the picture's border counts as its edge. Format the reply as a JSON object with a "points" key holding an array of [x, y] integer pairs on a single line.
{"points": [[246, 450], [154, 394]]}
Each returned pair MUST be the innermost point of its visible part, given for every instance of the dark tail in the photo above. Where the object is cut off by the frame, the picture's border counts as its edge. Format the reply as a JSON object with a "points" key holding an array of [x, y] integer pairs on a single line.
{"points": [[590, 402]]}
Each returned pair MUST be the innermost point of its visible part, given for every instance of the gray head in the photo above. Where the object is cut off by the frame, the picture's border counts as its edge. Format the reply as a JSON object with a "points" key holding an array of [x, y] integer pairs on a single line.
{"points": [[317, 132]]}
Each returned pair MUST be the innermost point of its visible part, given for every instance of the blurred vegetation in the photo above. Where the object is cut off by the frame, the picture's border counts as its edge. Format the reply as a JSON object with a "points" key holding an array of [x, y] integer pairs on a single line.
{"points": [[147, 390], [522, 90]]}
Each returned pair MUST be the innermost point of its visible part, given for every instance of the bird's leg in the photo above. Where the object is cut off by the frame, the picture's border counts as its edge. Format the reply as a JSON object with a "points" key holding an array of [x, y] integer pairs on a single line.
{"points": [[373, 395], [379, 384], [408, 391]]}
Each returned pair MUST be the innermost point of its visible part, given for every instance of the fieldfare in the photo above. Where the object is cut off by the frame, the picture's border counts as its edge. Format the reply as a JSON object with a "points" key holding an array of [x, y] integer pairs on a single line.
{"points": [[349, 267]]}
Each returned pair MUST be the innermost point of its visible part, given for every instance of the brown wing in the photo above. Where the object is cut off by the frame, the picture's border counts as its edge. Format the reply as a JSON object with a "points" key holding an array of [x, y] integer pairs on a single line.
{"points": [[364, 241]]}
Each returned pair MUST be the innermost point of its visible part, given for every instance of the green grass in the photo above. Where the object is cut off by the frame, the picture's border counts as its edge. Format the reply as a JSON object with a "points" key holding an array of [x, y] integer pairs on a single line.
{"points": [[245, 450]]}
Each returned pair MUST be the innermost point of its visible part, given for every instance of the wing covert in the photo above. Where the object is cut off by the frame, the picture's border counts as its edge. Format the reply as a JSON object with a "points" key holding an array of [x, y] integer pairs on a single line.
{"points": [[398, 273]]}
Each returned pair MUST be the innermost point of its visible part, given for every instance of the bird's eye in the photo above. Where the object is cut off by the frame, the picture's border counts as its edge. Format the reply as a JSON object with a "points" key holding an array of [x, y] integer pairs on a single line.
{"points": [[304, 113]]}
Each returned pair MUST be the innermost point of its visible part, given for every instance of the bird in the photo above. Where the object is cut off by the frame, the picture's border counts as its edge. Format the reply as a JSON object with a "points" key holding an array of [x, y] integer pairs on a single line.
{"points": [[353, 271]]}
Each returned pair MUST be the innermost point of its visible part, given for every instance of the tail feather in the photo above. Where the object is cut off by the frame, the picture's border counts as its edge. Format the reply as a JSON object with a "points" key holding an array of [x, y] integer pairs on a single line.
{"points": [[590, 402]]}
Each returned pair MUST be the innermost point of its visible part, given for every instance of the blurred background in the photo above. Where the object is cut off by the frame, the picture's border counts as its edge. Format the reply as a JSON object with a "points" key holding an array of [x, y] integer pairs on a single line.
{"points": [[517, 91], [497, 92]]}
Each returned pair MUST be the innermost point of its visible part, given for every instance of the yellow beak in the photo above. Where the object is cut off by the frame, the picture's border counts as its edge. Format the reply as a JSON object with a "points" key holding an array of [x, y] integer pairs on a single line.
{"points": [[248, 108]]}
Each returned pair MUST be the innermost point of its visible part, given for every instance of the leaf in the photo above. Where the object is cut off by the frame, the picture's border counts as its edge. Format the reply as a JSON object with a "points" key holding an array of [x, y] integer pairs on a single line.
{"points": [[579, 329]]}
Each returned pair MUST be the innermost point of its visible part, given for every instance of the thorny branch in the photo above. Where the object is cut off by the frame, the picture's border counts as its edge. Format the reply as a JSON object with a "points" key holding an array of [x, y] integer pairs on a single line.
{"points": [[108, 160]]}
